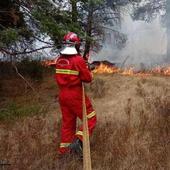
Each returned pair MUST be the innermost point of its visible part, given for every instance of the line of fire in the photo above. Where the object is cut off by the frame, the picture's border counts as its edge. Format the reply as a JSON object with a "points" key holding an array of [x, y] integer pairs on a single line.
{"points": [[106, 67]]}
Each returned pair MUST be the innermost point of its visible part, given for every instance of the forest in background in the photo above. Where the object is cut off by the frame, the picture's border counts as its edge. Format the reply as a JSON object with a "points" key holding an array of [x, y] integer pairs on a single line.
{"points": [[24, 24]]}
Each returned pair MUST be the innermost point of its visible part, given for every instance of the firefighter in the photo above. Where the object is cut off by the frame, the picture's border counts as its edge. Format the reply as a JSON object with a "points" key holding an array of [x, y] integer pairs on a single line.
{"points": [[71, 72]]}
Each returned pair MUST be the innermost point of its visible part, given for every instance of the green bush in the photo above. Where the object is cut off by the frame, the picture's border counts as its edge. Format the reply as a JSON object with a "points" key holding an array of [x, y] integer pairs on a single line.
{"points": [[8, 37], [31, 68], [13, 111]]}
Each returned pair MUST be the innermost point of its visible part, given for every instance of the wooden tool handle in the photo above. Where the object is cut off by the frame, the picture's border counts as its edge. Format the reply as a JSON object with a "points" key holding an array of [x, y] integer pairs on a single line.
{"points": [[86, 141]]}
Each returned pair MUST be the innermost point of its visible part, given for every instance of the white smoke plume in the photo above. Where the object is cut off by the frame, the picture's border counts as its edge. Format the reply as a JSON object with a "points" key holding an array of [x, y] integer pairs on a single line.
{"points": [[146, 45]]}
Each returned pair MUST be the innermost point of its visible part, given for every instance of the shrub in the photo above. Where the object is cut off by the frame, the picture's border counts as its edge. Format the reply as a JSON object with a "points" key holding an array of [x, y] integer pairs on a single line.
{"points": [[13, 111], [31, 68]]}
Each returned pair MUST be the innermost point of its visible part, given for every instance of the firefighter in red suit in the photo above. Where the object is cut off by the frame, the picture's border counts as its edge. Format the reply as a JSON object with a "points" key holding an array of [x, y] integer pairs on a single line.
{"points": [[71, 71]]}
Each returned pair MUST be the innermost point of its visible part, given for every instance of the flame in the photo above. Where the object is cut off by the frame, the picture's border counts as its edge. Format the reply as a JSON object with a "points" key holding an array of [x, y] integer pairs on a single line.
{"points": [[128, 71], [102, 68], [47, 63], [167, 71], [161, 70]]}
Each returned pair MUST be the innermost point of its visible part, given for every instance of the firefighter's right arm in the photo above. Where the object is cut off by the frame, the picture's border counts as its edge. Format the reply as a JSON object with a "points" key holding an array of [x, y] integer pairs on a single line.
{"points": [[84, 73]]}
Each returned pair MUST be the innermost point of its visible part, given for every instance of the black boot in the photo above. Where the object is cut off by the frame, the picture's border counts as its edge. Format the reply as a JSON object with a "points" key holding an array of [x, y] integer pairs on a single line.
{"points": [[77, 147]]}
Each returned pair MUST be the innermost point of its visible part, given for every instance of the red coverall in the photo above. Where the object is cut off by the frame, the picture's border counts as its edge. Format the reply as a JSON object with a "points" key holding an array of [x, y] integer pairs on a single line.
{"points": [[71, 71]]}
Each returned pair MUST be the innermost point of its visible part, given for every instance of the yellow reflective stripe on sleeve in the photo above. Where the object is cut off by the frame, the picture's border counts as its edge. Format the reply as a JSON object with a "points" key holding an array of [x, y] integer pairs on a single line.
{"points": [[90, 115], [65, 71], [64, 145], [79, 133]]}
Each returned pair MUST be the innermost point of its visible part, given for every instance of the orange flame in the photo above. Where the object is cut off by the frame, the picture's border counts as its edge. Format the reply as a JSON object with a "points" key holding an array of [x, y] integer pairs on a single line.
{"points": [[161, 70], [106, 69], [128, 71], [167, 71], [102, 68], [47, 63]]}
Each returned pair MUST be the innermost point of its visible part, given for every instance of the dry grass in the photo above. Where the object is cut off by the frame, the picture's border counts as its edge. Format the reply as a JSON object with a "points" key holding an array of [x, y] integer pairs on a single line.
{"points": [[133, 130]]}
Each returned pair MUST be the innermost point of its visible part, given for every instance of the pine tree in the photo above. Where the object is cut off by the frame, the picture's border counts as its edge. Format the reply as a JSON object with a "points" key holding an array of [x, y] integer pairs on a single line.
{"points": [[10, 14]]}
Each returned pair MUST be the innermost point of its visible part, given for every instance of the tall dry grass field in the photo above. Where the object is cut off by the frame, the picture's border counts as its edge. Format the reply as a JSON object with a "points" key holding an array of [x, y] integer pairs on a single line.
{"points": [[132, 132]]}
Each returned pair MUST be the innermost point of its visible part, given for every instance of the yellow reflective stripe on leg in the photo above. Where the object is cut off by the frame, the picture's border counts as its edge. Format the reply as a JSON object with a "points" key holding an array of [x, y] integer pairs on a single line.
{"points": [[64, 145], [79, 133], [90, 115], [66, 71]]}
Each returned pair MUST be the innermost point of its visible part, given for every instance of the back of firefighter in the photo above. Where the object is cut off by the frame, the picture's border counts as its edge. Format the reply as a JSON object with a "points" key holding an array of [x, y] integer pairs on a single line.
{"points": [[71, 72]]}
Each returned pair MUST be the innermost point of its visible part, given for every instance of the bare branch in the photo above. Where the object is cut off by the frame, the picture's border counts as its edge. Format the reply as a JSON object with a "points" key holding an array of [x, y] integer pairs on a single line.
{"points": [[26, 81], [43, 41], [23, 52], [53, 3], [109, 28]]}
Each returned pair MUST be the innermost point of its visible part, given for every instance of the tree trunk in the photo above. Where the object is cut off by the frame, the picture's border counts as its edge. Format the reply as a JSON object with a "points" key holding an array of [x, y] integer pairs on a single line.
{"points": [[74, 10], [168, 30], [88, 33]]}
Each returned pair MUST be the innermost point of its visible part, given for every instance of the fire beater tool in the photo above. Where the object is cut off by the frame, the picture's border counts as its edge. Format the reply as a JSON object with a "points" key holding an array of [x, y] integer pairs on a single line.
{"points": [[86, 141]]}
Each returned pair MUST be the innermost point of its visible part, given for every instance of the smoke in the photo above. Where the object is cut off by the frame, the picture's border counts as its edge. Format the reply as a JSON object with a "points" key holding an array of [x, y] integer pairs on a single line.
{"points": [[146, 45], [146, 42]]}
